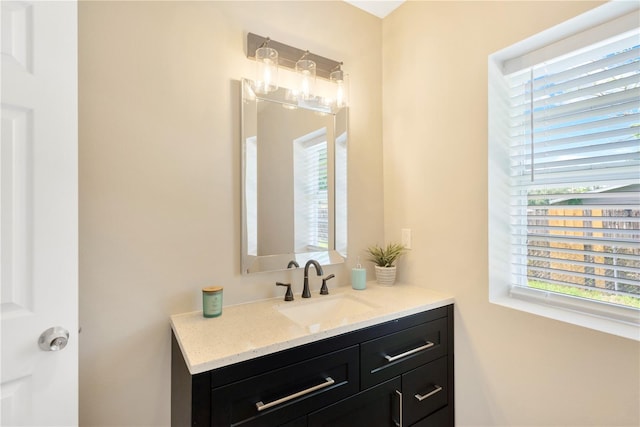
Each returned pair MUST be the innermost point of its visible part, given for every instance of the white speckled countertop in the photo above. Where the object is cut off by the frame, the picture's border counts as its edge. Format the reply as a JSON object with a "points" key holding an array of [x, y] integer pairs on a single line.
{"points": [[254, 329]]}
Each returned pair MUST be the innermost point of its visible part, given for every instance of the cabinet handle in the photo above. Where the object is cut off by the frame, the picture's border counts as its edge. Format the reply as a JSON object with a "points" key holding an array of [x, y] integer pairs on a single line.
{"points": [[262, 406], [399, 422], [431, 393], [429, 344]]}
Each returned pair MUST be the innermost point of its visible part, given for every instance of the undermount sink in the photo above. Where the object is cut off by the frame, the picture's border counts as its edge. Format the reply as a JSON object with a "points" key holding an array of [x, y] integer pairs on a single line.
{"points": [[319, 310]]}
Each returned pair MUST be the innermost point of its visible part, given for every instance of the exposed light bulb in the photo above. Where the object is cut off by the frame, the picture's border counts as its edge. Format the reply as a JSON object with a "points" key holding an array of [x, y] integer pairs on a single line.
{"points": [[305, 84], [340, 94], [340, 79], [266, 70], [306, 69]]}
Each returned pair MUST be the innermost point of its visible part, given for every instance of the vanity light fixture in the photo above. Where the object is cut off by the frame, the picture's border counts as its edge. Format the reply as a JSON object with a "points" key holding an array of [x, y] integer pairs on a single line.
{"points": [[306, 70], [266, 68], [341, 80], [307, 66]]}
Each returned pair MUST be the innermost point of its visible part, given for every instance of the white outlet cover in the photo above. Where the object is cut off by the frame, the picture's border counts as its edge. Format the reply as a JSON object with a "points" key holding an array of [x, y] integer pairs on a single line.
{"points": [[406, 238]]}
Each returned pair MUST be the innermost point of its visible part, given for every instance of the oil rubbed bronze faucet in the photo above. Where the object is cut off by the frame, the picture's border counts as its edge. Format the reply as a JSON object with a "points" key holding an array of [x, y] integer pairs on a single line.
{"points": [[319, 272]]}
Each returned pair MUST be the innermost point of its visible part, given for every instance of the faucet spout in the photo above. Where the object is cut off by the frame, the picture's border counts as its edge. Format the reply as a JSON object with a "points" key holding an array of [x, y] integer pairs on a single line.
{"points": [[305, 292]]}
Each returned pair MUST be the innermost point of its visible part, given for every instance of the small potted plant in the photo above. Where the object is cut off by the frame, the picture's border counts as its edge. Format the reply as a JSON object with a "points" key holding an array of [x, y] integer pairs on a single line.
{"points": [[384, 259]]}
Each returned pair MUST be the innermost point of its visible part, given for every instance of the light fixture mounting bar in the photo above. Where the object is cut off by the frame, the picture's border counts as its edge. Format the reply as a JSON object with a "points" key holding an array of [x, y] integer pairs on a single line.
{"points": [[289, 55]]}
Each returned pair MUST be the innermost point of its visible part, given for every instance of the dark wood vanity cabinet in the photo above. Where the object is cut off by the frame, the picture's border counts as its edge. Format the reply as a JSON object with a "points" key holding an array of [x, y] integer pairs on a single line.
{"points": [[397, 373]]}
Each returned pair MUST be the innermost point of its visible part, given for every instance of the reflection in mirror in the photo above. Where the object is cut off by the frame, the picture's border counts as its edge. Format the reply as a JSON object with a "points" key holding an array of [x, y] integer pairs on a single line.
{"points": [[294, 181]]}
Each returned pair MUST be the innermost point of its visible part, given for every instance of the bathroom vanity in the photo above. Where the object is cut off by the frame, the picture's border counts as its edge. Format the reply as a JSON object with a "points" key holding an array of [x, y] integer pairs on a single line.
{"points": [[378, 357]]}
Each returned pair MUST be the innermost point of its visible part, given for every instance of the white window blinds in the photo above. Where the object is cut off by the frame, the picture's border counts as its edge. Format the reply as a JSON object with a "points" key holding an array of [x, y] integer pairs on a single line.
{"points": [[574, 127], [311, 197]]}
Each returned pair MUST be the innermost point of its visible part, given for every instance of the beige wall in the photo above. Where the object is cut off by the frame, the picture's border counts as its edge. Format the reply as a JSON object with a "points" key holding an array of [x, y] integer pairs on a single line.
{"points": [[160, 197], [512, 368], [160, 173]]}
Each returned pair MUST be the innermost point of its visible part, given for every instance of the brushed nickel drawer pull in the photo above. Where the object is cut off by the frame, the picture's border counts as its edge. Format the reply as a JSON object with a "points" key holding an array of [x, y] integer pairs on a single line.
{"points": [[429, 344], [262, 406], [399, 422], [431, 393]]}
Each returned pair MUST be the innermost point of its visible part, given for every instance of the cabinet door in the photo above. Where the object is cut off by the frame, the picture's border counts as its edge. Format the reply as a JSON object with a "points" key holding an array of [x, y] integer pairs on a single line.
{"points": [[376, 407]]}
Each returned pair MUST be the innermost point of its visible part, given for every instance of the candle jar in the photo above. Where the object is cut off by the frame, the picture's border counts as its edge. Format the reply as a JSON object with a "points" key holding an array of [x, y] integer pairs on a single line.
{"points": [[212, 301]]}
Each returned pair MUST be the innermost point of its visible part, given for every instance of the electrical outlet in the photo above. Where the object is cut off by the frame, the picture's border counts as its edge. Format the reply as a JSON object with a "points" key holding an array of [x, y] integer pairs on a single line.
{"points": [[406, 238]]}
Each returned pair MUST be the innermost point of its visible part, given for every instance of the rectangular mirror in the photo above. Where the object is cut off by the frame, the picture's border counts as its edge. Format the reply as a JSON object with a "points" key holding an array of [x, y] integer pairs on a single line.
{"points": [[294, 181]]}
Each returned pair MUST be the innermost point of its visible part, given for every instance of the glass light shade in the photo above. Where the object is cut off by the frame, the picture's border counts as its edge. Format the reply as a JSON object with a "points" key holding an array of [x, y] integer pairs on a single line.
{"points": [[306, 70], [266, 70], [341, 80]]}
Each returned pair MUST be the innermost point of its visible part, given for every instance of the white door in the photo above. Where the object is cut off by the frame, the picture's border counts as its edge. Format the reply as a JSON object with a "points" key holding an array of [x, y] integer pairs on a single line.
{"points": [[39, 213]]}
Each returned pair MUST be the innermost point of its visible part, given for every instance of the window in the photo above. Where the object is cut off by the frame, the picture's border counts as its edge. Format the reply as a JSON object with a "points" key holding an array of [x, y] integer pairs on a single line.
{"points": [[251, 194], [564, 184], [311, 197], [341, 193]]}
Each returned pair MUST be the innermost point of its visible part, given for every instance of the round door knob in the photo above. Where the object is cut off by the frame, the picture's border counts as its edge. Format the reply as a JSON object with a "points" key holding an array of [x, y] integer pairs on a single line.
{"points": [[53, 339]]}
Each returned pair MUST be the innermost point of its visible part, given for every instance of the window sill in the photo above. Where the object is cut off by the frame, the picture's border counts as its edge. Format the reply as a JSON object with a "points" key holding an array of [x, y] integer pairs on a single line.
{"points": [[539, 308]]}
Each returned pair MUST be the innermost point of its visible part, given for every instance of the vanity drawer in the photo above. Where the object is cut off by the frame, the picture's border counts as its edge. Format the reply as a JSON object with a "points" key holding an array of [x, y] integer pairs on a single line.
{"points": [[374, 407], [279, 396], [424, 390], [391, 355]]}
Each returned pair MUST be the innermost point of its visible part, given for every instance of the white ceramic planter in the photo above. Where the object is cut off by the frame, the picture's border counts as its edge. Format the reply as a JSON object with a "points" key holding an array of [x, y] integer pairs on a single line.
{"points": [[386, 276]]}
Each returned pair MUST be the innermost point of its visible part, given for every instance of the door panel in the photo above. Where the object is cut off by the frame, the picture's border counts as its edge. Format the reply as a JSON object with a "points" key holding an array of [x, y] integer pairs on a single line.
{"points": [[38, 211]]}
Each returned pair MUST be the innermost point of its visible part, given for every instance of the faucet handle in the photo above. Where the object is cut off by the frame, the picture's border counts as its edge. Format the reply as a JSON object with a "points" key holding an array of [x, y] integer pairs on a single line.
{"points": [[288, 296], [324, 290]]}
